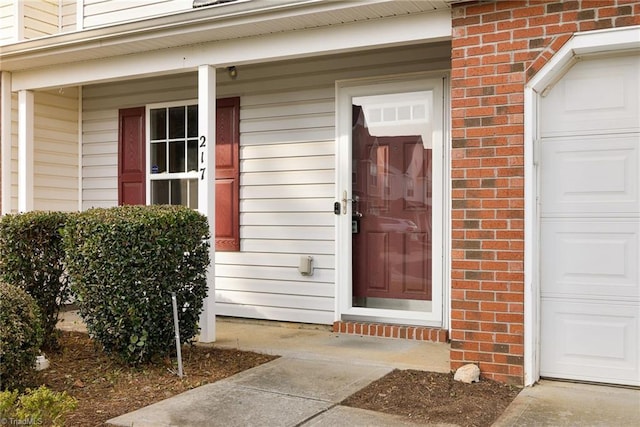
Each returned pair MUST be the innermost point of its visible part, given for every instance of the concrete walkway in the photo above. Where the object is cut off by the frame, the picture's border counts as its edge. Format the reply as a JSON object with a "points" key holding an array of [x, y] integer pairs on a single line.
{"points": [[556, 403], [317, 370], [284, 392]]}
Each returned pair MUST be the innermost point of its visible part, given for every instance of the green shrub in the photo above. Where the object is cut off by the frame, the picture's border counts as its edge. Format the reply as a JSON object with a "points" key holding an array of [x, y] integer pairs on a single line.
{"points": [[8, 403], [124, 263], [36, 407], [32, 258], [20, 337]]}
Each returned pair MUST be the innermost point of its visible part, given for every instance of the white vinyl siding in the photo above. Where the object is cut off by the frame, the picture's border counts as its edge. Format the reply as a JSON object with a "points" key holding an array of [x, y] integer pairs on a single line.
{"points": [[56, 150], [55, 136], [41, 18], [68, 12], [35, 19], [99, 13], [7, 22], [287, 171]]}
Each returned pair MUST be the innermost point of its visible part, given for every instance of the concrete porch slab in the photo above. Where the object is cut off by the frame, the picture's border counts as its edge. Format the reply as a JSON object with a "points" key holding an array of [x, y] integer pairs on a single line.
{"points": [[320, 343]]}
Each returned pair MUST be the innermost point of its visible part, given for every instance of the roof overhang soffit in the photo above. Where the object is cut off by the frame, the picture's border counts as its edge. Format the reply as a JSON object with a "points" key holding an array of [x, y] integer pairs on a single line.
{"points": [[407, 29]]}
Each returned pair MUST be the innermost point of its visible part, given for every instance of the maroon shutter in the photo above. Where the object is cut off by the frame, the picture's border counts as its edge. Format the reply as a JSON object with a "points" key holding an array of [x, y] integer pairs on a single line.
{"points": [[131, 156], [228, 174]]}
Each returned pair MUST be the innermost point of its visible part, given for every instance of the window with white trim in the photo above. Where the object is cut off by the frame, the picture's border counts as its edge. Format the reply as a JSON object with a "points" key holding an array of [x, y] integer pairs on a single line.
{"points": [[173, 154]]}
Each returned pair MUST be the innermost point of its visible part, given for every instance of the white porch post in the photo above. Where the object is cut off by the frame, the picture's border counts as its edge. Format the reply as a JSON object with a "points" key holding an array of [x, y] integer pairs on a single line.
{"points": [[25, 150], [5, 140], [207, 187]]}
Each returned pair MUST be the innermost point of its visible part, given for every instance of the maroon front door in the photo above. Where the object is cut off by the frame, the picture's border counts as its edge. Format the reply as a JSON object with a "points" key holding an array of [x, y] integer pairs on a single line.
{"points": [[392, 216]]}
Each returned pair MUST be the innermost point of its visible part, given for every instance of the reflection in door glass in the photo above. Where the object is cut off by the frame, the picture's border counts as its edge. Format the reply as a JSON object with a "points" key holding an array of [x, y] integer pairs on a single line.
{"points": [[392, 190]]}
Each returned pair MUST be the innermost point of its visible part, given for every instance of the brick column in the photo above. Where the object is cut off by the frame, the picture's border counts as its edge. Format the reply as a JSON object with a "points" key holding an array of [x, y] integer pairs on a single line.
{"points": [[496, 48]]}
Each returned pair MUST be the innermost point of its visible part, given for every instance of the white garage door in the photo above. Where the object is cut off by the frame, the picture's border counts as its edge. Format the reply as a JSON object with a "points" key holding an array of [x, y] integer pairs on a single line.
{"points": [[589, 204]]}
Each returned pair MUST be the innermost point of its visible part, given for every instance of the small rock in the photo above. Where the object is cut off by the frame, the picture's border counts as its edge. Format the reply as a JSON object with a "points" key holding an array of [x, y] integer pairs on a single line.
{"points": [[469, 373]]}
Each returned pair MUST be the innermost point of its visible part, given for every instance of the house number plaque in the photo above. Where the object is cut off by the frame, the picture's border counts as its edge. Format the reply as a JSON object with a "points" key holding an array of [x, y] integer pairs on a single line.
{"points": [[203, 144]]}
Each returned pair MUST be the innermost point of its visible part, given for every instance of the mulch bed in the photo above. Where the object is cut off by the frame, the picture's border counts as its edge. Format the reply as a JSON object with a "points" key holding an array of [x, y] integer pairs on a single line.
{"points": [[431, 397]]}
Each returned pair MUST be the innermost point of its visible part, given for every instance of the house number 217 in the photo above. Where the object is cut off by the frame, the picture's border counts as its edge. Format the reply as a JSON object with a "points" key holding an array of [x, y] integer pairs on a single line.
{"points": [[203, 144]]}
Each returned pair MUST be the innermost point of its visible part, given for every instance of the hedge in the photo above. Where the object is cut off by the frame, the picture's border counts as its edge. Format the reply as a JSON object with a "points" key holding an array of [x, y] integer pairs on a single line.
{"points": [[124, 263], [20, 337], [32, 258]]}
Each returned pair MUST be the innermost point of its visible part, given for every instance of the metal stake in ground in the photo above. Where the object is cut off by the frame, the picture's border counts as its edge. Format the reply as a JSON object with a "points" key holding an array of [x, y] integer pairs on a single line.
{"points": [[176, 326]]}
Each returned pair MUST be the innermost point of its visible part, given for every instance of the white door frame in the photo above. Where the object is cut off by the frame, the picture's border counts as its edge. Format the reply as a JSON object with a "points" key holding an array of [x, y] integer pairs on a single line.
{"points": [[345, 90], [581, 44]]}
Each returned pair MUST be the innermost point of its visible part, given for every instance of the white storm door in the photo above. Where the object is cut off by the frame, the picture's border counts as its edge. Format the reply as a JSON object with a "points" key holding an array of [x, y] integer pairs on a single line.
{"points": [[590, 223], [394, 150]]}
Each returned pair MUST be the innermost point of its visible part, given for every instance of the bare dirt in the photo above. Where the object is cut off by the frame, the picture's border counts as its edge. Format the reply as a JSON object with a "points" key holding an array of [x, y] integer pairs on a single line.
{"points": [[105, 388]]}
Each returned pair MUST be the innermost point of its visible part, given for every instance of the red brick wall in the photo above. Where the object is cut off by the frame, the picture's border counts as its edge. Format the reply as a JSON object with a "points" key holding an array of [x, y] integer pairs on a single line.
{"points": [[496, 48]]}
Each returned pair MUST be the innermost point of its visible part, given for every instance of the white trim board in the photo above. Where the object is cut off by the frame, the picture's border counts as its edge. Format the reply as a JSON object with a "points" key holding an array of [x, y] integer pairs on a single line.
{"points": [[581, 44]]}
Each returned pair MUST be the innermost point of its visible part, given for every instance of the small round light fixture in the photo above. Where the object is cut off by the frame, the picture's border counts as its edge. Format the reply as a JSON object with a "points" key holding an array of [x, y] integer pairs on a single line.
{"points": [[233, 72]]}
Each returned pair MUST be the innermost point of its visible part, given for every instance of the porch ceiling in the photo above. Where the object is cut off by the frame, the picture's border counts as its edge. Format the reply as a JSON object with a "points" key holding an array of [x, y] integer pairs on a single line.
{"points": [[234, 21]]}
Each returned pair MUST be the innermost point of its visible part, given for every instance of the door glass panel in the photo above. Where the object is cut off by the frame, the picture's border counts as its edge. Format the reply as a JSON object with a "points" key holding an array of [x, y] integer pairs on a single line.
{"points": [[392, 201]]}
